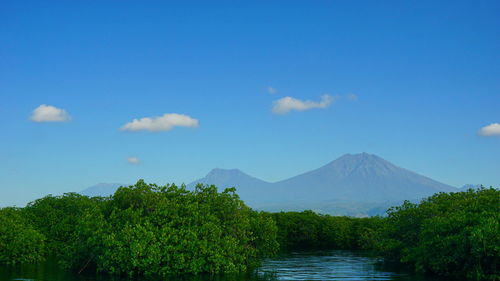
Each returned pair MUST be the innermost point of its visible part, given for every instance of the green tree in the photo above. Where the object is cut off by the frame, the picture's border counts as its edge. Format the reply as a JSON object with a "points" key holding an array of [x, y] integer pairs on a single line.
{"points": [[56, 216], [153, 230], [19, 241], [451, 234]]}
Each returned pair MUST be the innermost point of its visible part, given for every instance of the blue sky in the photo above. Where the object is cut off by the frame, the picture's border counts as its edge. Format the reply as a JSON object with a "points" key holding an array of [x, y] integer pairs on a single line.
{"points": [[425, 76]]}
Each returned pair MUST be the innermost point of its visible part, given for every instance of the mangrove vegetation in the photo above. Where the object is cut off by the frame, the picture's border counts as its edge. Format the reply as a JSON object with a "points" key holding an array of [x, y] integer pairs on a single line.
{"points": [[150, 230]]}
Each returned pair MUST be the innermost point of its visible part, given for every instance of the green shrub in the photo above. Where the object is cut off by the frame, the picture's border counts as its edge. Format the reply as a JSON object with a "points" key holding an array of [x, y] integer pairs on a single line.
{"points": [[19, 242], [450, 234], [56, 216], [159, 230], [308, 230]]}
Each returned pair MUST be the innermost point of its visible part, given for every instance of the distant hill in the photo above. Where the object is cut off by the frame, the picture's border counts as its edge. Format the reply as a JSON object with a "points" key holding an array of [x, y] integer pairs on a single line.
{"points": [[249, 188], [470, 186], [356, 178], [102, 189], [361, 177], [354, 184]]}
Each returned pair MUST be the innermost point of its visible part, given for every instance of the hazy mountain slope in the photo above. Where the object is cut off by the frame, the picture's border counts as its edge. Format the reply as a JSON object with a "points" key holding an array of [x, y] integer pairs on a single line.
{"points": [[248, 188], [336, 208], [360, 177], [354, 178], [470, 186], [358, 184], [102, 189]]}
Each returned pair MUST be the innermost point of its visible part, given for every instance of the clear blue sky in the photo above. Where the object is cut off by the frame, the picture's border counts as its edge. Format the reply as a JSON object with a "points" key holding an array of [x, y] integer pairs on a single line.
{"points": [[426, 75]]}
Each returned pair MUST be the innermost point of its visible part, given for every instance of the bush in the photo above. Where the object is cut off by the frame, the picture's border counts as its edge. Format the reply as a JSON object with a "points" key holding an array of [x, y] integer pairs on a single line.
{"points": [[159, 230], [19, 241], [308, 230], [153, 230], [56, 216], [450, 234]]}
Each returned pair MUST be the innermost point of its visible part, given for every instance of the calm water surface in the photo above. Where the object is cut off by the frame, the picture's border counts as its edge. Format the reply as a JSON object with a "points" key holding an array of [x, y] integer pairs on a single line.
{"points": [[319, 265]]}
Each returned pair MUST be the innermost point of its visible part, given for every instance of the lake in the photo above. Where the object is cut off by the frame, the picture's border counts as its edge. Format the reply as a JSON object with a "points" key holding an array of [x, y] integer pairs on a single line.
{"points": [[316, 265]]}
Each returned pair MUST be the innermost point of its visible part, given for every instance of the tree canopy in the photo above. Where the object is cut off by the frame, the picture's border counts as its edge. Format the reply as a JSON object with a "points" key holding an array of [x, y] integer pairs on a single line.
{"points": [[153, 230], [20, 242], [452, 234]]}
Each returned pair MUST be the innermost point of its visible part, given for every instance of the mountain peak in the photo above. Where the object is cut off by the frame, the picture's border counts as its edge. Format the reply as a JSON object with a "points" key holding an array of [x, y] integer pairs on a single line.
{"points": [[361, 178], [248, 187], [359, 157], [219, 173], [349, 163], [220, 170]]}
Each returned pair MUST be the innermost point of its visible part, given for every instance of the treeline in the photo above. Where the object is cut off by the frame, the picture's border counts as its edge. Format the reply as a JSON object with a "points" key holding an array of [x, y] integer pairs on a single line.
{"points": [[308, 230], [449, 234], [141, 230], [159, 230]]}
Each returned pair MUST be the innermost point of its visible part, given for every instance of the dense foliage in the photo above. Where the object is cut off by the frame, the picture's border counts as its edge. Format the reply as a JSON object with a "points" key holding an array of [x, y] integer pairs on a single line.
{"points": [[308, 230], [153, 230], [56, 216], [451, 234], [19, 241], [156, 230]]}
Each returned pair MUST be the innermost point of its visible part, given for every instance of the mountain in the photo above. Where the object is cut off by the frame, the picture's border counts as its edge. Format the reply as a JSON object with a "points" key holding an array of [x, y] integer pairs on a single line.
{"points": [[361, 177], [102, 189], [358, 185], [357, 178], [354, 184], [248, 187]]}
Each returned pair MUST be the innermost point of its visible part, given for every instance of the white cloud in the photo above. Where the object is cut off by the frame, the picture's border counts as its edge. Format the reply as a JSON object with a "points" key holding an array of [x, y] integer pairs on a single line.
{"points": [[162, 123], [48, 113], [272, 90], [492, 129], [352, 97], [133, 160], [287, 104]]}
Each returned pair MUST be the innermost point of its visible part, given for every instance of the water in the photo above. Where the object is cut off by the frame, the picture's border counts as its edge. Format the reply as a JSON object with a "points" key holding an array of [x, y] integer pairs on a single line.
{"points": [[333, 265], [318, 265]]}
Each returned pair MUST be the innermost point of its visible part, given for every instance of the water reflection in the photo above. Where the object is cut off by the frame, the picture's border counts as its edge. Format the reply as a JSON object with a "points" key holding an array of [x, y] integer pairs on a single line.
{"points": [[329, 265], [321, 265]]}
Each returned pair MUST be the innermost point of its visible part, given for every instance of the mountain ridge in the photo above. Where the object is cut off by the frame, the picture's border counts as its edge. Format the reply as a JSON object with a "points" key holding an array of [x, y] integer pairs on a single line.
{"points": [[356, 182], [102, 189], [354, 177]]}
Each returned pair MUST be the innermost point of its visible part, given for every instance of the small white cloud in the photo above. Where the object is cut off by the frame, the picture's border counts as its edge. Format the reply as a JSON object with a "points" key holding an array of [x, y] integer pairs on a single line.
{"points": [[162, 123], [352, 97], [491, 130], [133, 160], [287, 104], [49, 113], [272, 90]]}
